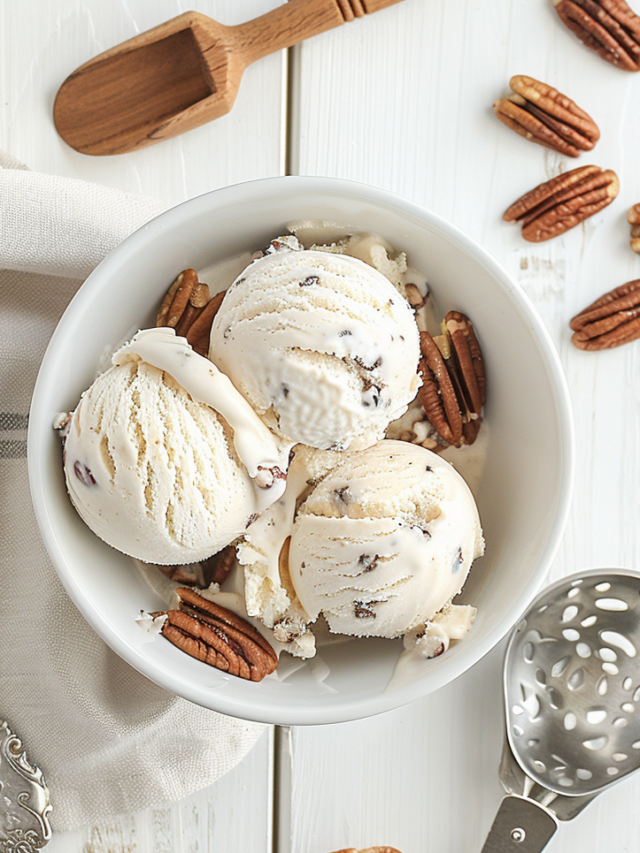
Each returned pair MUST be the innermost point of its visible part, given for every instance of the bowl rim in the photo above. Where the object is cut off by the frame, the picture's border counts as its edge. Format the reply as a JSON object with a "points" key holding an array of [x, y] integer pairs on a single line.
{"points": [[258, 710]]}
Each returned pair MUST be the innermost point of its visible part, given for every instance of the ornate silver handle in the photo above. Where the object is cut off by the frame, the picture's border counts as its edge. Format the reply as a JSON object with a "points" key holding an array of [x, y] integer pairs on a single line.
{"points": [[24, 798], [521, 826]]}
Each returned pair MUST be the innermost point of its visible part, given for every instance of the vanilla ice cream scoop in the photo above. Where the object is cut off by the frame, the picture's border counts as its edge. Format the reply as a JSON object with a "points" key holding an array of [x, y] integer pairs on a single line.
{"points": [[322, 346], [164, 460], [384, 542]]}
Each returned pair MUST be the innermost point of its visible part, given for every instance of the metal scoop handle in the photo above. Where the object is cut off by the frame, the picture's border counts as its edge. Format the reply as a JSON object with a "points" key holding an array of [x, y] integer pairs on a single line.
{"points": [[521, 826]]}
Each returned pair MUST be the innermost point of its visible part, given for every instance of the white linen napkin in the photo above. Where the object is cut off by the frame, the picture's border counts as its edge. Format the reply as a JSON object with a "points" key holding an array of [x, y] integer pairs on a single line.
{"points": [[107, 740]]}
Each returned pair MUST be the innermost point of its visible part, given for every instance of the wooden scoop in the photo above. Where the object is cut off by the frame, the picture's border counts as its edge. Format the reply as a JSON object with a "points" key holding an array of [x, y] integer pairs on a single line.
{"points": [[181, 74]]}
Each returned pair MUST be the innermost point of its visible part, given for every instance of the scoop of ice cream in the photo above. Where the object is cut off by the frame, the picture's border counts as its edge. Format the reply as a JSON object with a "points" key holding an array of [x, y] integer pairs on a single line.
{"points": [[384, 541], [154, 470], [263, 549], [321, 345]]}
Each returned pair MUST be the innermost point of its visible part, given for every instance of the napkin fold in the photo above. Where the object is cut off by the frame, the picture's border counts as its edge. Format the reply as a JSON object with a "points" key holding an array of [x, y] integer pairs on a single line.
{"points": [[107, 740]]}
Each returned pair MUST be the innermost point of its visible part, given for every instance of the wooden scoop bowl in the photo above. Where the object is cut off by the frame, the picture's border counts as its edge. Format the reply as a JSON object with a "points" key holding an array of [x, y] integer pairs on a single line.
{"points": [[181, 74]]}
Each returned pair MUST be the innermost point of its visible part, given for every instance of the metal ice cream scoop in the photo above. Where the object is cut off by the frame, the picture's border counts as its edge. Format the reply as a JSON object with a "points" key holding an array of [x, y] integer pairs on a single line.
{"points": [[572, 702]]}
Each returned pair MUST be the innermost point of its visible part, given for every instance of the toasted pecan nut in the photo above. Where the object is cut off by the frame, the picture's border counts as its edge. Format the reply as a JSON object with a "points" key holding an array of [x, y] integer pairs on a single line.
{"points": [[633, 218], [177, 298], [453, 389], [214, 569], [437, 393], [540, 113], [470, 363], [563, 202], [200, 331], [608, 27], [218, 637], [610, 321]]}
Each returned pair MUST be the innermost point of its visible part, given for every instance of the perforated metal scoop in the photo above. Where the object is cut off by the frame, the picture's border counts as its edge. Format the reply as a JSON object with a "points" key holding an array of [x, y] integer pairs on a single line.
{"points": [[572, 701]]}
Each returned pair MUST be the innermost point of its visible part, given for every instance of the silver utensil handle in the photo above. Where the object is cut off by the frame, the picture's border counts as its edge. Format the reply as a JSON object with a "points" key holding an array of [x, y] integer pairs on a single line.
{"points": [[521, 826]]}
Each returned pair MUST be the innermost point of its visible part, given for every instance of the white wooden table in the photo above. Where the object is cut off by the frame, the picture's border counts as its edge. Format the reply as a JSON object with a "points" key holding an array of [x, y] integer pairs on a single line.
{"points": [[401, 100]]}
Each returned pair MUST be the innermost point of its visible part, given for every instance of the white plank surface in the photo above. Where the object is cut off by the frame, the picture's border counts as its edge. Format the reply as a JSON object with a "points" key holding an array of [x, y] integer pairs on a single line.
{"points": [[44, 42], [40, 44], [403, 101]]}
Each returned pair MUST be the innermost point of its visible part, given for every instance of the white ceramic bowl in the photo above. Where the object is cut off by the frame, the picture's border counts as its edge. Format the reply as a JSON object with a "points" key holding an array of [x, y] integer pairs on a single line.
{"points": [[524, 496]]}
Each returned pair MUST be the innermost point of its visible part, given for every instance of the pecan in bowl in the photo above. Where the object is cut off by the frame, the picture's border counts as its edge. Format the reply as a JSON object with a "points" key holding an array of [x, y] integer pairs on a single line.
{"points": [[214, 569], [453, 389], [608, 27], [189, 308], [633, 218], [563, 202], [218, 637], [540, 113], [610, 321]]}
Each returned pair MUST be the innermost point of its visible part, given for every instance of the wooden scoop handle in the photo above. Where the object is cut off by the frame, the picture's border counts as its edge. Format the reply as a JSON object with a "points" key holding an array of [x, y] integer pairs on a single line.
{"points": [[296, 21]]}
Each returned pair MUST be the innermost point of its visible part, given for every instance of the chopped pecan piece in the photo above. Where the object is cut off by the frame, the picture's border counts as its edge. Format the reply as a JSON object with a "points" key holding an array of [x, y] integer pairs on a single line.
{"points": [[414, 297], [608, 27], [610, 321], [542, 114], [633, 218], [563, 202], [214, 569], [218, 637]]}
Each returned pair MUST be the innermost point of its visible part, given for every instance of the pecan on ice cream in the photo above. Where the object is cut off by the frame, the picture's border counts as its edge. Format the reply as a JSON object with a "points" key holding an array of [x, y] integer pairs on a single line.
{"points": [[608, 27], [563, 202], [540, 113], [218, 637], [610, 321]]}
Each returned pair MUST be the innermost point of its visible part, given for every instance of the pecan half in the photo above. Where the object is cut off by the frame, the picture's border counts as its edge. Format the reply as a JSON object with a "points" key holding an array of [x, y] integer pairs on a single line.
{"points": [[437, 393], [563, 202], [453, 388], [608, 27], [543, 115], [610, 321], [189, 308], [183, 302], [633, 218], [214, 569], [199, 333], [218, 637]]}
